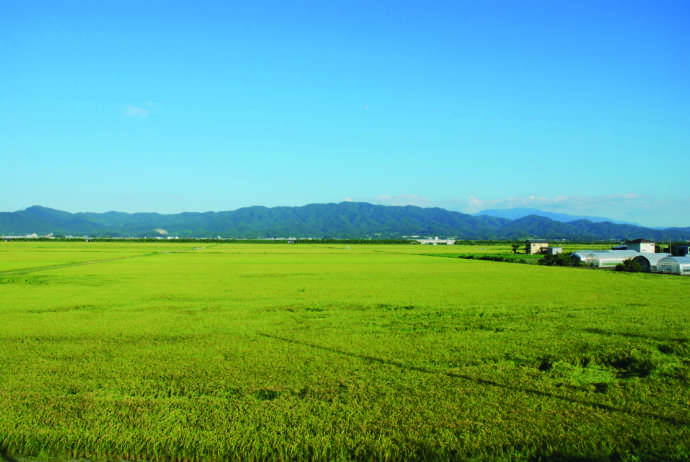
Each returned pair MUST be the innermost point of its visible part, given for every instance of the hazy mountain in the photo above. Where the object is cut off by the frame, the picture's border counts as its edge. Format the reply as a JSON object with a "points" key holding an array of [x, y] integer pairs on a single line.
{"points": [[344, 220], [520, 212], [585, 230], [42, 220]]}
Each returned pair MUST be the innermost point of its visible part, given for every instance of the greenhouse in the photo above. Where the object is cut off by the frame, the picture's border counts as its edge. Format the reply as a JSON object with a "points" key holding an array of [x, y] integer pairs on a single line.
{"points": [[583, 257], [674, 265], [610, 258], [650, 261]]}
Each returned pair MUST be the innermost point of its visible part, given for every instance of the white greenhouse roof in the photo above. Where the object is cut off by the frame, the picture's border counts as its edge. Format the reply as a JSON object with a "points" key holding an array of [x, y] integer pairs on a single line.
{"points": [[614, 254], [678, 260], [654, 258], [588, 251]]}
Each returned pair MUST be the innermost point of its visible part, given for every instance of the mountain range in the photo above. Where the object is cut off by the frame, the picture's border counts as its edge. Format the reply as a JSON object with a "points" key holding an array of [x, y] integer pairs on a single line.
{"points": [[347, 220], [521, 212]]}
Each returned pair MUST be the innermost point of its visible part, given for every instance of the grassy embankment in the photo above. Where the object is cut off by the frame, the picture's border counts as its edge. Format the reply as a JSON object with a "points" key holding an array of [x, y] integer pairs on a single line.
{"points": [[160, 351]]}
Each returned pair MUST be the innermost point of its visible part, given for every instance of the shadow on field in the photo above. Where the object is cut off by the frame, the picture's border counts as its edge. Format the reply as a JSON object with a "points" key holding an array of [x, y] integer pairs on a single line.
{"points": [[658, 338], [531, 391]]}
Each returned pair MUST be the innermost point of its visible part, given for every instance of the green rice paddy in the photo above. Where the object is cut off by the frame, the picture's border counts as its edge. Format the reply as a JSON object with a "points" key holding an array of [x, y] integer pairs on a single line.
{"points": [[205, 351]]}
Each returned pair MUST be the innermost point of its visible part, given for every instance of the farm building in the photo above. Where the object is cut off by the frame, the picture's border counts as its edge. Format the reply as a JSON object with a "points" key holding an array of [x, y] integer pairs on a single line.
{"points": [[680, 250], [650, 261], [640, 245], [535, 247], [674, 265], [554, 250], [610, 258]]}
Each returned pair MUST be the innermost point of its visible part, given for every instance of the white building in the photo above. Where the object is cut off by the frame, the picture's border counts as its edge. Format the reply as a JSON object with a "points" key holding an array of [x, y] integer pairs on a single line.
{"points": [[674, 265], [640, 245], [436, 241], [533, 247]]}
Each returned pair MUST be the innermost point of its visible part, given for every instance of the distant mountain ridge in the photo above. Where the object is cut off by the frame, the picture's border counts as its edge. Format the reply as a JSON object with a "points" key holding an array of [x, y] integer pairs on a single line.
{"points": [[343, 220], [521, 212]]}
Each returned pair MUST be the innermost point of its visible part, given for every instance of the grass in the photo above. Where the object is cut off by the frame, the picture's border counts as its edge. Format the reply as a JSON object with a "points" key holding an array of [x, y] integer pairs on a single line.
{"points": [[334, 352]]}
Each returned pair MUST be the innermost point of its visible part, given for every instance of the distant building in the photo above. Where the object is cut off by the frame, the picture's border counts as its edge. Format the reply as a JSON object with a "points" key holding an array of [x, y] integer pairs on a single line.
{"points": [[533, 247], [640, 245], [291, 240], [680, 250], [554, 250], [436, 241]]}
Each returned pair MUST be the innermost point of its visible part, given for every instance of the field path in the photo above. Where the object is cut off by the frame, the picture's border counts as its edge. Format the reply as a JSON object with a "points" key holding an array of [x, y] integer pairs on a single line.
{"points": [[33, 269]]}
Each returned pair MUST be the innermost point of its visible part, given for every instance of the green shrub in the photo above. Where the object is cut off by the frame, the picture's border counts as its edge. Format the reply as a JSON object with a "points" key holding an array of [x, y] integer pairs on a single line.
{"points": [[556, 260], [629, 266]]}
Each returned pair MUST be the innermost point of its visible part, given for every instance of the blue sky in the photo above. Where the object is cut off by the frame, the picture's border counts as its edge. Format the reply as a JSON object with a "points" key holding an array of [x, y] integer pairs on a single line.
{"points": [[575, 107]]}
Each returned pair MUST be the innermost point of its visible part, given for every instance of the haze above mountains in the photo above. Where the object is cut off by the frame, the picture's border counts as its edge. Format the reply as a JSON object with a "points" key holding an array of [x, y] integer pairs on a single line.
{"points": [[343, 220]]}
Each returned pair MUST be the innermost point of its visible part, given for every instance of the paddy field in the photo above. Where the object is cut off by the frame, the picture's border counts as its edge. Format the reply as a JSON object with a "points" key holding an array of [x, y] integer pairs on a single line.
{"points": [[217, 351]]}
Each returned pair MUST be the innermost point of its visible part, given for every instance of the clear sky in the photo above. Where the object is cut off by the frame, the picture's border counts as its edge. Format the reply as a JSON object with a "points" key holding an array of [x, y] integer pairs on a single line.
{"points": [[571, 106]]}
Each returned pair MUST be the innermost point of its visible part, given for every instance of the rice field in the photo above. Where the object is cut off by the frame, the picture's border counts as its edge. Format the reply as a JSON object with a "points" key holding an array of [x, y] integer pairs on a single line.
{"points": [[216, 351]]}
